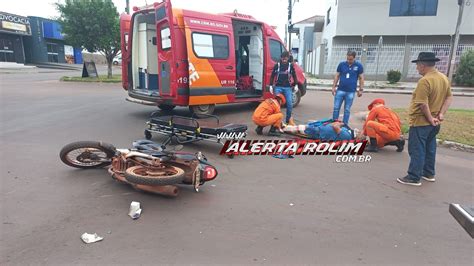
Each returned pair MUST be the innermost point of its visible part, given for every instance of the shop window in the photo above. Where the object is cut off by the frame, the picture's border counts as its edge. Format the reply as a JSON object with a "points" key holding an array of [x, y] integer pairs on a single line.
{"points": [[52, 52]]}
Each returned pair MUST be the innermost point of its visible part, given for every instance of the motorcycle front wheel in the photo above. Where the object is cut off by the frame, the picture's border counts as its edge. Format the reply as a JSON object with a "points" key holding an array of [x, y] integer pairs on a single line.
{"points": [[154, 176], [87, 154]]}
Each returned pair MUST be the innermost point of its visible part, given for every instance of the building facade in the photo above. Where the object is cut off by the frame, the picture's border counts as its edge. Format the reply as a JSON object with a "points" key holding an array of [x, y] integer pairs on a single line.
{"points": [[46, 44], [308, 34], [13, 30], [387, 34]]}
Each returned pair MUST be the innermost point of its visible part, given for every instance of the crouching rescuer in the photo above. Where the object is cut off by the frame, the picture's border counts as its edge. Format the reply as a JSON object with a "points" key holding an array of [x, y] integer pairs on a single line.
{"points": [[383, 127], [268, 113]]}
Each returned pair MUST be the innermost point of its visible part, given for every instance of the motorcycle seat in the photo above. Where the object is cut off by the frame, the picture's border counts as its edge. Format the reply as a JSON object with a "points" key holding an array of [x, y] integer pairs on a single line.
{"points": [[147, 145]]}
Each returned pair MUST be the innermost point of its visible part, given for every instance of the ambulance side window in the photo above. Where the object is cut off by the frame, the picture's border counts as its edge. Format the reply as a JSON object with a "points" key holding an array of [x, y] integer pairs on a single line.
{"points": [[276, 49], [210, 45], [165, 38]]}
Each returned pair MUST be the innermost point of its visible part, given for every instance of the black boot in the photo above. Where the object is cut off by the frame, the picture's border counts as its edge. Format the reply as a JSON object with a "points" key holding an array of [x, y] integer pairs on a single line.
{"points": [[400, 145], [259, 130], [273, 132], [372, 146]]}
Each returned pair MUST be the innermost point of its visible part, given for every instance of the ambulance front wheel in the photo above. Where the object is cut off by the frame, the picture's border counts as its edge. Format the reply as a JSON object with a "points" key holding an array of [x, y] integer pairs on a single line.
{"points": [[201, 111], [296, 98], [147, 134]]}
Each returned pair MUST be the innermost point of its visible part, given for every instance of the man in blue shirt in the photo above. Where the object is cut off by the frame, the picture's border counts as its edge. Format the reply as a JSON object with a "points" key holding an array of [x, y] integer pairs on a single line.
{"points": [[348, 73]]}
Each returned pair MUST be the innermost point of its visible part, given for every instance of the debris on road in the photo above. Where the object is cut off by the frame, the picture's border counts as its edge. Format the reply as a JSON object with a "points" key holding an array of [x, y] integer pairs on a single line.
{"points": [[135, 210], [91, 238], [283, 156]]}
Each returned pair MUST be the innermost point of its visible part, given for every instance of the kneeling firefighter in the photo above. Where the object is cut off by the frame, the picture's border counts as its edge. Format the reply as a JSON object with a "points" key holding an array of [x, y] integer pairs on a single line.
{"points": [[383, 127], [268, 113]]}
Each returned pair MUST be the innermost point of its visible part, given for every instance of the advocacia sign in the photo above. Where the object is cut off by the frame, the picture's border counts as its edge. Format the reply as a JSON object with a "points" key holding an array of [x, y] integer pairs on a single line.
{"points": [[15, 24]]}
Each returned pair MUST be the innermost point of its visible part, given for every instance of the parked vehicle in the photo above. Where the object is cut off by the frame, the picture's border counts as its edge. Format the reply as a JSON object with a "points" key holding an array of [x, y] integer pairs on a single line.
{"points": [[174, 57], [117, 60], [147, 166]]}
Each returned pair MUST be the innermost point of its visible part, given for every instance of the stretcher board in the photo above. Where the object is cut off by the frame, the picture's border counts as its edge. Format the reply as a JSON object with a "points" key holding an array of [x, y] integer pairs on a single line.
{"points": [[188, 129]]}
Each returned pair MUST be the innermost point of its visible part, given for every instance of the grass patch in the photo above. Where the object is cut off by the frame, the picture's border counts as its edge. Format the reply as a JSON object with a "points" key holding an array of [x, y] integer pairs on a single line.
{"points": [[114, 79], [458, 125]]}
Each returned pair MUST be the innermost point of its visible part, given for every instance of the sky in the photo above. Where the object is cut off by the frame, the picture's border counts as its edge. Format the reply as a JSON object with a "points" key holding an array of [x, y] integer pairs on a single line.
{"points": [[272, 12]]}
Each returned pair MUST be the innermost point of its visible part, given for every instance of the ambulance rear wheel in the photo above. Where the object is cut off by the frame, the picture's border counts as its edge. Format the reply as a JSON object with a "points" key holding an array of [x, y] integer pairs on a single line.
{"points": [[201, 111], [166, 107]]}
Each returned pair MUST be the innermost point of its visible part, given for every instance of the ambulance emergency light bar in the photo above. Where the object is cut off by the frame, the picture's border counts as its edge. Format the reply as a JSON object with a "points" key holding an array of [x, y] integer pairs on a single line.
{"points": [[154, 5]]}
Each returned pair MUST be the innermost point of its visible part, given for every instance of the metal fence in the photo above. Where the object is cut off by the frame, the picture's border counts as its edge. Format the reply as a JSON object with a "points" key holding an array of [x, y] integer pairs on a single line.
{"points": [[391, 56]]}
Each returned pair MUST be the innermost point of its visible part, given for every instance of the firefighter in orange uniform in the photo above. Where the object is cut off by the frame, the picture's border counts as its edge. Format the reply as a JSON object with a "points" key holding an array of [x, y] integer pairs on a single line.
{"points": [[268, 113], [383, 127]]}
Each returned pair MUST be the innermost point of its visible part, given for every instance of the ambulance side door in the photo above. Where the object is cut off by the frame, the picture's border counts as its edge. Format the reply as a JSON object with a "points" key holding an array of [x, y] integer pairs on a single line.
{"points": [[211, 59]]}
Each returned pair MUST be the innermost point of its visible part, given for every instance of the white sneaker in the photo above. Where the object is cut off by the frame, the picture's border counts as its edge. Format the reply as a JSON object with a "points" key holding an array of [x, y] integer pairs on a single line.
{"points": [[429, 178]]}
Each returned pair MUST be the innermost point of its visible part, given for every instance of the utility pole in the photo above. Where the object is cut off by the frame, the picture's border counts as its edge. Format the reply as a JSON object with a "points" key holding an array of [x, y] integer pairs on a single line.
{"points": [[454, 47], [127, 6], [290, 25]]}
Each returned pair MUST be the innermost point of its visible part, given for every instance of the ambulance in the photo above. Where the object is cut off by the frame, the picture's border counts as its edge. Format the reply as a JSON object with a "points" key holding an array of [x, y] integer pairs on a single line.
{"points": [[174, 57]]}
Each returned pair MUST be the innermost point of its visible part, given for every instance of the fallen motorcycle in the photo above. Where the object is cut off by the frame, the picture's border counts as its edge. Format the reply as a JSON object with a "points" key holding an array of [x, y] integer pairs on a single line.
{"points": [[147, 166]]}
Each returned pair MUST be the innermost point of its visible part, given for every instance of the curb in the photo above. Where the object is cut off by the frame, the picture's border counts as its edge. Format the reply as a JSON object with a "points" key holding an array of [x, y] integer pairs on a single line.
{"points": [[455, 145], [388, 87], [389, 91], [441, 143]]}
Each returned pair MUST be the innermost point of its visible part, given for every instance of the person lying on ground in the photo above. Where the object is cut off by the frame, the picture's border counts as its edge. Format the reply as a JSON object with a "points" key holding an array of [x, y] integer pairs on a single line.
{"points": [[268, 113], [383, 127], [330, 131]]}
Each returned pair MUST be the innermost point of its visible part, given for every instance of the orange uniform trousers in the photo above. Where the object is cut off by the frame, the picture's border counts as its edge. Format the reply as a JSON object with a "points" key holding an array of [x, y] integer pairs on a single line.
{"points": [[381, 132], [268, 113]]}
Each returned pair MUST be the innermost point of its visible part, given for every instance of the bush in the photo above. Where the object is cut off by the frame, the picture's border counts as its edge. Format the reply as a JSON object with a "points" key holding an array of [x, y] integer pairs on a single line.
{"points": [[393, 76], [465, 71]]}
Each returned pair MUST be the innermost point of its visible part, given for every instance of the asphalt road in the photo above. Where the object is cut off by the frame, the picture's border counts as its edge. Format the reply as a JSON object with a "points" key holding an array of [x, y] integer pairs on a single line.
{"points": [[258, 210]]}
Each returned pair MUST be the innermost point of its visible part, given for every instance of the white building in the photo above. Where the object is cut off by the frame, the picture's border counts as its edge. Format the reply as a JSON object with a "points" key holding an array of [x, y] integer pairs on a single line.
{"points": [[407, 27], [308, 33], [398, 21]]}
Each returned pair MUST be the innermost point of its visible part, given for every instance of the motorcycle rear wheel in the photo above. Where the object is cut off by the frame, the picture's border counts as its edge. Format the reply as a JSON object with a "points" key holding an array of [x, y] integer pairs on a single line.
{"points": [[87, 154], [154, 176]]}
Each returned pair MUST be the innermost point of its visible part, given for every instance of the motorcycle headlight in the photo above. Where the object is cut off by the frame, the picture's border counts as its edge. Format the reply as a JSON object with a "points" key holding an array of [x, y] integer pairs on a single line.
{"points": [[200, 156]]}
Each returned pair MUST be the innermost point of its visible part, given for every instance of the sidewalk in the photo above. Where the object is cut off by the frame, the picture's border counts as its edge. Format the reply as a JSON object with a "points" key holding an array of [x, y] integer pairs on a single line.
{"points": [[14, 66], [384, 87]]}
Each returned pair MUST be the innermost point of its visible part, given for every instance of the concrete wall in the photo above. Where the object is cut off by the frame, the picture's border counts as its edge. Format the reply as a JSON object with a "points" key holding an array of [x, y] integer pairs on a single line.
{"points": [[378, 60], [435, 39], [329, 30], [369, 17]]}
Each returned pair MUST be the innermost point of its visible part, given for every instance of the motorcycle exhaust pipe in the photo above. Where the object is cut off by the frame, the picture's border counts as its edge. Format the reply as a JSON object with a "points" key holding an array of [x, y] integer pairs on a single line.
{"points": [[168, 190]]}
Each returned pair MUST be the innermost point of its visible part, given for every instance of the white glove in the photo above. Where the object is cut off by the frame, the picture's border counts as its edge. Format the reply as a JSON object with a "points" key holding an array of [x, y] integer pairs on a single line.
{"points": [[271, 89], [296, 88]]}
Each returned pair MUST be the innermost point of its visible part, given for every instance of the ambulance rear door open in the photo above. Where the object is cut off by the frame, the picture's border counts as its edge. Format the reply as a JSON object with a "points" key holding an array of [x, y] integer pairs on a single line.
{"points": [[166, 49]]}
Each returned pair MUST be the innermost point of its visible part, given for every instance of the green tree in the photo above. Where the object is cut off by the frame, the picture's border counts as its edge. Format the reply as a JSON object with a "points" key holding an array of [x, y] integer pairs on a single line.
{"points": [[465, 71], [93, 25]]}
